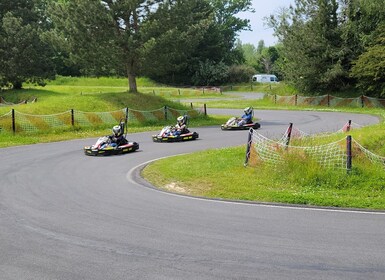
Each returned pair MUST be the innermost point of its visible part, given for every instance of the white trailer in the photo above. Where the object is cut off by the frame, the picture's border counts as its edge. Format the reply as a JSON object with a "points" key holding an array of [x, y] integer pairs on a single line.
{"points": [[265, 78]]}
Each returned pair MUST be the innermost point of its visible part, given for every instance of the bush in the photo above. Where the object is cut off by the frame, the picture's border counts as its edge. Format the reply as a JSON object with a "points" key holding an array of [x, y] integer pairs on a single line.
{"points": [[240, 73]]}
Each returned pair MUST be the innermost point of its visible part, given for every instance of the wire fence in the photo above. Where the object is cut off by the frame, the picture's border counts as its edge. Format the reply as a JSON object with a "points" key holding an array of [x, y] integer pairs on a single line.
{"points": [[4, 103], [18, 122], [327, 101], [188, 91], [334, 155]]}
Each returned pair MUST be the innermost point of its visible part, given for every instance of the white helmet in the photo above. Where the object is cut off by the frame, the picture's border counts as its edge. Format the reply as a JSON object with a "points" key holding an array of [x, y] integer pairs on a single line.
{"points": [[180, 120], [248, 110], [117, 130]]}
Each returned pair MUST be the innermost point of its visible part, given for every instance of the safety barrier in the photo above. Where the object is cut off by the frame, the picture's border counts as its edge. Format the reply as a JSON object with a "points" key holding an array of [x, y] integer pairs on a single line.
{"points": [[335, 155], [15, 121], [328, 101]]}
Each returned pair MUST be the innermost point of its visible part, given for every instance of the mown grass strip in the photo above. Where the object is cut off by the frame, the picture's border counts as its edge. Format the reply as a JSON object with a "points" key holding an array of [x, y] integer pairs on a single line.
{"points": [[220, 174]]}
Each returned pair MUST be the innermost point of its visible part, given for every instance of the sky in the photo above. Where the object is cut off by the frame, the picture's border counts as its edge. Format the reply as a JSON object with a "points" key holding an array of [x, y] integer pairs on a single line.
{"points": [[260, 31]]}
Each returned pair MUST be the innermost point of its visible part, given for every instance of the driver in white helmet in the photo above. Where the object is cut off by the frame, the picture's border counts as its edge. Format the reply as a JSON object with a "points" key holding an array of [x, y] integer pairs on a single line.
{"points": [[247, 117], [181, 126], [117, 138]]}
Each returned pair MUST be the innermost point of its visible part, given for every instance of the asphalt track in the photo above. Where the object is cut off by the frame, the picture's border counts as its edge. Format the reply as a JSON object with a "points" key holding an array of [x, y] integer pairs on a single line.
{"points": [[64, 215]]}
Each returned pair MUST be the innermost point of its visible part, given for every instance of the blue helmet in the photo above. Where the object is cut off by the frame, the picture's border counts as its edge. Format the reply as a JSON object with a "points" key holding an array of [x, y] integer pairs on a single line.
{"points": [[248, 110]]}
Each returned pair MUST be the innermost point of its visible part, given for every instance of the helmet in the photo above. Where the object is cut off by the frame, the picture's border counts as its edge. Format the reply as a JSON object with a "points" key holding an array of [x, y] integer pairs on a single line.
{"points": [[117, 130], [180, 120], [248, 110]]}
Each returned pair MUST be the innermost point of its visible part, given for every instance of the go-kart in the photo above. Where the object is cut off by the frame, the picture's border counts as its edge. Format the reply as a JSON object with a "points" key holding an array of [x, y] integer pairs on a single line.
{"points": [[167, 134], [104, 147], [232, 124]]}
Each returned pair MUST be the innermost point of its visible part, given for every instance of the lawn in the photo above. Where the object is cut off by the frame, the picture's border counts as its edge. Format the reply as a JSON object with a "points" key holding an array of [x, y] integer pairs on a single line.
{"points": [[214, 173]]}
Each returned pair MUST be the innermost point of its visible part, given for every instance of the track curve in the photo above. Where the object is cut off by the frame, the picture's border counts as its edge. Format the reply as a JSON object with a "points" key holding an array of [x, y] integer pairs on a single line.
{"points": [[64, 215]]}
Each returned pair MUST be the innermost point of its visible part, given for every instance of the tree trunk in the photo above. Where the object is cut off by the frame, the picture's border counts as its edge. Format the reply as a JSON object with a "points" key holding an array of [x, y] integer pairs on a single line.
{"points": [[17, 84], [131, 78], [132, 83]]}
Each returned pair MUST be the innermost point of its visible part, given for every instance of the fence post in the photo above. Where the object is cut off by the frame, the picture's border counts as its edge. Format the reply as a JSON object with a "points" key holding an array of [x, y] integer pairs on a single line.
{"points": [[249, 138], [328, 100], [126, 120], [275, 99], [296, 99], [349, 153], [205, 109], [362, 101], [165, 113], [289, 134], [72, 117], [349, 125], [13, 121], [191, 105]]}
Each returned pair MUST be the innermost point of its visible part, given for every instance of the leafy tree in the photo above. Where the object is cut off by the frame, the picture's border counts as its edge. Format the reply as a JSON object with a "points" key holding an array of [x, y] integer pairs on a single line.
{"points": [[262, 59], [24, 56], [229, 25], [268, 57], [186, 36], [311, 36], [240, 73], [369, 68], [104, 37], [210, 73], [174, 38], [260, 47]]}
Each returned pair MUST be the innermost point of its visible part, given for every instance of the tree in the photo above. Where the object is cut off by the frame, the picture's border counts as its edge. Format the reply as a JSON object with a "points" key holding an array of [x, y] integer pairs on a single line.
{"points": [[314, 54], [104, 37], [268, 57], [187, 36], [369, 68], [24, 56], [228, 25], [173, 37]]}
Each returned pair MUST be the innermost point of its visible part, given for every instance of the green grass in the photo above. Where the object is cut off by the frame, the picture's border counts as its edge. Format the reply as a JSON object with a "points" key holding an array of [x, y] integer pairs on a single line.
{"points": [[220, 173], [87, 95], [215, 173], [273, 88], [100, 82]]}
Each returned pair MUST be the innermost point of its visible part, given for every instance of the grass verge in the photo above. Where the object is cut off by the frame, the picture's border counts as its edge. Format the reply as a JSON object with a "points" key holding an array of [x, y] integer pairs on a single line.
{"points": [[220, 174]]}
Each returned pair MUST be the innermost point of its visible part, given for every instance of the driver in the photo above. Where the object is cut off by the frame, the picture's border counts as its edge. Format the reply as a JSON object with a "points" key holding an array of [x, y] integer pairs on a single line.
{"points": [[117, 138], [247, 117], [181, 126]]}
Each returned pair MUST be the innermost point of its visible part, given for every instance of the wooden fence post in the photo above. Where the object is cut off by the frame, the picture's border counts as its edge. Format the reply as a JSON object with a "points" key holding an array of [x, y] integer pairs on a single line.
{"points": [[349, 153], [72, 117], [250, 137], [13, 121], [289, 134], [165, 113]]}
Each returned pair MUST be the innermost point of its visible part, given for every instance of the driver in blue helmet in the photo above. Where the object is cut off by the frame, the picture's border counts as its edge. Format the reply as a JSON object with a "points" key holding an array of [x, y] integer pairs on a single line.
{"points": [[247, 117]]}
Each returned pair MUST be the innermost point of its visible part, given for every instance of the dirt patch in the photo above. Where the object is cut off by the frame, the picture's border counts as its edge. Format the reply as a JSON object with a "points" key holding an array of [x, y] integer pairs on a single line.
{"points": [[173, 187]]}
